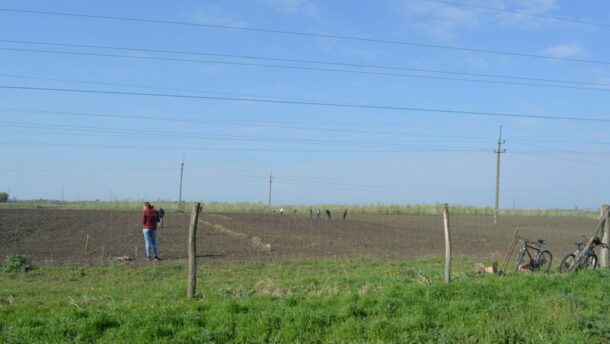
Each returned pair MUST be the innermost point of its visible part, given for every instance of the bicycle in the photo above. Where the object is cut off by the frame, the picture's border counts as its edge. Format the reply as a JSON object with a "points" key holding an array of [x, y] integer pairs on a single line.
{"points": [[590, 260], [542, 259]]}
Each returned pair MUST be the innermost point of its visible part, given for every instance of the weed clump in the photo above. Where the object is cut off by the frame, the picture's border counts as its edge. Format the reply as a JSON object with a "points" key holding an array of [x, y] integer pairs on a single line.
{"points": [[17, 264]]}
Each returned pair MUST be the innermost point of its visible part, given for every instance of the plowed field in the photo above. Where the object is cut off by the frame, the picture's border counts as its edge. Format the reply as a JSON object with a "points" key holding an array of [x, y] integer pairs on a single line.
{"points": [[51, 236]]}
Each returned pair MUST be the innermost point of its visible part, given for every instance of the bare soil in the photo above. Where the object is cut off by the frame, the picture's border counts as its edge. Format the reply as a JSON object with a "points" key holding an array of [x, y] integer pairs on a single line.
{"points": [[51, 236]]}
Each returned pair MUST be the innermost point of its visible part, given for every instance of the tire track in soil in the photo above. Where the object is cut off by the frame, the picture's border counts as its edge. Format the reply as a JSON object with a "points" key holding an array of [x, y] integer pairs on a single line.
{"points": [[253, 240]]}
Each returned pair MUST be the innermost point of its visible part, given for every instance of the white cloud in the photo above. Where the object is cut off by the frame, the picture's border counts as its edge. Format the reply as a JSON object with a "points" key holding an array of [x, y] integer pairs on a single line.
{"points": [[437, 19], [568, 50], [306, 8], [537, 6], [215, 15], [445, 20]]}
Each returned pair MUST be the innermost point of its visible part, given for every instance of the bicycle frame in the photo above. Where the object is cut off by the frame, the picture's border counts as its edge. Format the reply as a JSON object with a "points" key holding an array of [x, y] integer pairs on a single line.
{"points": [[527, 247]]}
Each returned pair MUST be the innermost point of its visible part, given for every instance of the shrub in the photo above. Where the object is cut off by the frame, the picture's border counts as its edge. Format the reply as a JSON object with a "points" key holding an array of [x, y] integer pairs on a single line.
{"points": [[17, 264]]}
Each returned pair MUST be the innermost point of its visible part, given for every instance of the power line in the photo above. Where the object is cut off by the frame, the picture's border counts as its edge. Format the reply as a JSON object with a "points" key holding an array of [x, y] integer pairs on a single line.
{"points": [[397, 146], [273, 150], [88, 130], [522, 13], [307, 34], [392, 148], [266, 58], [326, 104], [144, 86], [233, 123], [248, 123], [351, 71]]}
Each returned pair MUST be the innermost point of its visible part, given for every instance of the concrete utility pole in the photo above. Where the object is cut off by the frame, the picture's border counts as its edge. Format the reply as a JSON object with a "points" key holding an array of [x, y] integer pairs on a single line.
{"points": [[180, 194], [498, 152], [270, 183]]}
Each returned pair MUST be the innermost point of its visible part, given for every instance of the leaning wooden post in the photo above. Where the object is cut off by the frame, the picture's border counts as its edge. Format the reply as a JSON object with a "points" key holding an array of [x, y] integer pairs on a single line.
{"points": [[192, 251], [509, 253], [605, 238], [447, 243], [581, 256]]}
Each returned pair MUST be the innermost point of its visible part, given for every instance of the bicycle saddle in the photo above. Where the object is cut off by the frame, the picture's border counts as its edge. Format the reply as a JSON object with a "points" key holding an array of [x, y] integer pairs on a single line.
{"points": [[540, 241]]}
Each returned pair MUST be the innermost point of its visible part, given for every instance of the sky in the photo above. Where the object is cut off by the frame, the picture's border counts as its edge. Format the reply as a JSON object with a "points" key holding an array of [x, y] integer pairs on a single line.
{"points": [[343, 102]]}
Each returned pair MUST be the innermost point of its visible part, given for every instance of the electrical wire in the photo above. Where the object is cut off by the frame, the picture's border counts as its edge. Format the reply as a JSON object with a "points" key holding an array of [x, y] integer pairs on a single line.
{"points": [[252, 124], [349, 71], [324, 104], [265, 58], [101, 131], [521, 13], [212, 149], [308, 34]]}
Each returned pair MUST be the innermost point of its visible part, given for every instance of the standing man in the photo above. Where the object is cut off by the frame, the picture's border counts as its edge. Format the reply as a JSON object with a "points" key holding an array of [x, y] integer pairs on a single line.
{"points": [[160, 215], [344, 214], [149, 228]]}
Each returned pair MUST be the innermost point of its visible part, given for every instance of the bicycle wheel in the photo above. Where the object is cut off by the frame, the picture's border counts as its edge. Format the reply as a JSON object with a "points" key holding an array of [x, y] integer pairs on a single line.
{"points": [[591, 261], [543, 261], [566, 263]]}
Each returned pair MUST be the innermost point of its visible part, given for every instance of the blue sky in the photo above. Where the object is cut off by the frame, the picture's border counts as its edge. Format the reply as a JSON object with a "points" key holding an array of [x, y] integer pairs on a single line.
{"points": [[125, 146]]}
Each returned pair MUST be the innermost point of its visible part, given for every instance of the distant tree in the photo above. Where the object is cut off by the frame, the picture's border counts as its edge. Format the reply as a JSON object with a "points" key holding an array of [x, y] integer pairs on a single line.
{"points": [[3, 197]]}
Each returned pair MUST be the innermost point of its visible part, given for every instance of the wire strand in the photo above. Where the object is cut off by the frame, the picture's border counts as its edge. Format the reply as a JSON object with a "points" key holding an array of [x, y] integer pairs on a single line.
{"points": [[299, 60], [522, 13], [351, 71], [309, 34], [325, 104]]}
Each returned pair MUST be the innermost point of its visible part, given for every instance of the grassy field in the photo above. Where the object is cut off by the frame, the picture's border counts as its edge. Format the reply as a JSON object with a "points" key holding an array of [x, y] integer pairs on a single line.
{"points": [[249, 207], [303, 302]]}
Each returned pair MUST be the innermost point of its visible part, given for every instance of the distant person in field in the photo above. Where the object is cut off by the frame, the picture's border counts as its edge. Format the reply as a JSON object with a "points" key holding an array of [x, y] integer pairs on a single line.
{"points": [[310, 213], [160, 216], [318, 213], [281, 211], [344, 214], [149, 224], [294, 211], [328, 217]]}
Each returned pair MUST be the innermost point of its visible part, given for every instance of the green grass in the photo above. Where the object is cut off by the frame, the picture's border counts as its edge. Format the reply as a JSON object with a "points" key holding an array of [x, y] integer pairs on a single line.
{"points": [[250, 207], [304, 302]]}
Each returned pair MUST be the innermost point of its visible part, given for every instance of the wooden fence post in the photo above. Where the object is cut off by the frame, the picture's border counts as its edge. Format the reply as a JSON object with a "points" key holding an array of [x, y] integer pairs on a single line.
{"points": [[581, 255], [605, 238], [447, 243], [192, 251]]}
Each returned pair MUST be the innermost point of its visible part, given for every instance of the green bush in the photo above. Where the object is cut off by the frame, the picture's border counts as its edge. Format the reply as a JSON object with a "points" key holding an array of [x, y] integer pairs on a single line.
{"points": [[3, 197], [17, 264]]}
